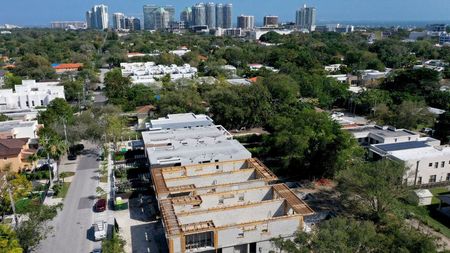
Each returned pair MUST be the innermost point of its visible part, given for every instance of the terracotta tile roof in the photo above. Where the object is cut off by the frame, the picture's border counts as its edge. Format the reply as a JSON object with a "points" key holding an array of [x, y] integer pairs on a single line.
{"points": [[68, 66], [12, 147], [253, 79]]}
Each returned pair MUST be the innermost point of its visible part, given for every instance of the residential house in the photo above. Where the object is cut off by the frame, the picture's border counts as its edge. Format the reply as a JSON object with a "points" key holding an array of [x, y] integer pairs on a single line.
{"points": [[14, 154]]}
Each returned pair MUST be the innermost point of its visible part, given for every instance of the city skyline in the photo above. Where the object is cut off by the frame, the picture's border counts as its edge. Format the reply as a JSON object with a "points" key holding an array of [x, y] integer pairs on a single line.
{"points": [[347, 10]]}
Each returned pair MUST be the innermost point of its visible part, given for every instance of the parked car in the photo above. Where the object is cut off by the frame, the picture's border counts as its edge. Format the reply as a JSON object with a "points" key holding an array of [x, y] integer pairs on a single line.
{"points": [[72, 156], [100, 206], [97, 250], [100, 229]]}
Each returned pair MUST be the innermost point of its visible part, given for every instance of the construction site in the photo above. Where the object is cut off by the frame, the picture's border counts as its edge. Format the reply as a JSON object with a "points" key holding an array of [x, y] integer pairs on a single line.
{"points": [[219, 205]]}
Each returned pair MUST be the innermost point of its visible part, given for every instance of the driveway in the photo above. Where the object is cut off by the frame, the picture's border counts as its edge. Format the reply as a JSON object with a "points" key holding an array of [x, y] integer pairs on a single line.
{"points": [[71, 227]]}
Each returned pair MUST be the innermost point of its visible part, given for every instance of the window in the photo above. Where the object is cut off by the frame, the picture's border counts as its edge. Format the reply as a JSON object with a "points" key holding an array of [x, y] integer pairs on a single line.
{"points": [[241, 197], [430, 164], [448, 177], [419, 180], [241, 234], [217, 167], [32, 103], [220, 201], [200, 240], [436, 165], [395, 139], [442, 164], [27, 104], [42, 102], [432, 179]]}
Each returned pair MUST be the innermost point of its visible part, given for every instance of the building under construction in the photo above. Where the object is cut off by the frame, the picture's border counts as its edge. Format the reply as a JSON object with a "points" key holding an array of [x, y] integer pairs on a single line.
{"points": [[214, 197]]}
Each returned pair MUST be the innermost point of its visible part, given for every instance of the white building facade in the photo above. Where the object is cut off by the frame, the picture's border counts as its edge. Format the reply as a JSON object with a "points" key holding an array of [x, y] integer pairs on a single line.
{"points": [[30, 94]]}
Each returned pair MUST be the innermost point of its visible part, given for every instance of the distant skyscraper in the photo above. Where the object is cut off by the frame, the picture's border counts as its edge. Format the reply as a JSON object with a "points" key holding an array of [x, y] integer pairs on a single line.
{"points": [[305, 18], [171, 10], [199, 14], [186, 16], [227, 16], [97, 17], [219, 15], [132, 23], [118, 21], [271, 21], [162, 19], [211, 15], [149, 17], [245, 22]]}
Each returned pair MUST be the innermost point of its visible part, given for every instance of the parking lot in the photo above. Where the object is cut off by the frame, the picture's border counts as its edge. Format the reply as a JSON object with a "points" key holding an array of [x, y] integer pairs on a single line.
{"points": [[139, 227]]}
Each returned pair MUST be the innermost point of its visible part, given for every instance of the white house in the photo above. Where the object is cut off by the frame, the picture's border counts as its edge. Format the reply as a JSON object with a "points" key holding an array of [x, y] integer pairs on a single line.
{"points": [[426, 162], [30, 94]]}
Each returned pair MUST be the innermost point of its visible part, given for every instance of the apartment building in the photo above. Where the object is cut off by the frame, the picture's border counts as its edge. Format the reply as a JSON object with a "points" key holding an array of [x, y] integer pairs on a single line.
{"points": [[149, 72], [212, 195], [30, 94], [227, 206], [187, 146]]}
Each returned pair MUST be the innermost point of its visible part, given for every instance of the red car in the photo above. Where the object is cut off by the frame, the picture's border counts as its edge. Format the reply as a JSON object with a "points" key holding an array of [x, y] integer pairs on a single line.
{"points": [[100, 206]]}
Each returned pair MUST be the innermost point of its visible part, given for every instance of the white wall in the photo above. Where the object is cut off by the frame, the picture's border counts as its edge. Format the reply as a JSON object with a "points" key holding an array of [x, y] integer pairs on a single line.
{"points": [[236, 215], [425, 171], [229, 198], [214, 179]]}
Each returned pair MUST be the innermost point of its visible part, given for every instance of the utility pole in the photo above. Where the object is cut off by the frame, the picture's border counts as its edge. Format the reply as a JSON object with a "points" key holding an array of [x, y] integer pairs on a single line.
{"points": [[11, 200], [13, 205], [48, 163]]}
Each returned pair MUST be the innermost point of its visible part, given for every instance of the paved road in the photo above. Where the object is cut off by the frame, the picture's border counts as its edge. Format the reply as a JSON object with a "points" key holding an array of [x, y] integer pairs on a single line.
{"points": [[72, 225]]}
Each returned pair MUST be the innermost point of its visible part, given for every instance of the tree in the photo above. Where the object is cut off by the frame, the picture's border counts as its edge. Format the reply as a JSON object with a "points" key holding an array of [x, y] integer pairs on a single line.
{"points": [[32, 231], [348, 235], [8, 240], [3, 117], [115, 128], [180, 100], [372, 189], [73, 89], [57, 111], [336, 235], [117, 86], [33, 158], [20, 188], [34, 67], [310, 144], [412, 115], [115, 244], [442, 127]]}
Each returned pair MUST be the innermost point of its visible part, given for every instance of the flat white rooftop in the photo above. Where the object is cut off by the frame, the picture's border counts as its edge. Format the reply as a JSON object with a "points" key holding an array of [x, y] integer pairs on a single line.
{"points": [[415, 150], [182, 120], [188, 146]]}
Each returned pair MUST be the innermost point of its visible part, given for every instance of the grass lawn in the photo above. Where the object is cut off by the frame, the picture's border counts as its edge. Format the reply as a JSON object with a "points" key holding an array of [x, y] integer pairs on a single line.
{"points": [[422, 214], [436, 192], [104, 179], [64, 189]]}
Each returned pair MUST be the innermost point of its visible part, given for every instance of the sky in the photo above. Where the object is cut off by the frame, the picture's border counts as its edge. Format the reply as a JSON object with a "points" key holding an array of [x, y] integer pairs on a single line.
{"points": [[42, 12]]}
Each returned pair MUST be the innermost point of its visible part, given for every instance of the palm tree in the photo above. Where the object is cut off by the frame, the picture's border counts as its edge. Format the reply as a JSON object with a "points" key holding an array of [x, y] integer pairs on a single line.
{"points": [[54, 148], [33, 159]]}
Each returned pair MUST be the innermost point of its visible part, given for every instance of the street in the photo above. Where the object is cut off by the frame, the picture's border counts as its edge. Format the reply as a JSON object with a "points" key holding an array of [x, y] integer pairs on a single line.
{"points": [[71, 227]]}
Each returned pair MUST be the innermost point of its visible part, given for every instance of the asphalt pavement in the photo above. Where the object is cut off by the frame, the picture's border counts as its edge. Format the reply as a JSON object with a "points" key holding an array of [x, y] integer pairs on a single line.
{"points": [[72, 226]]}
